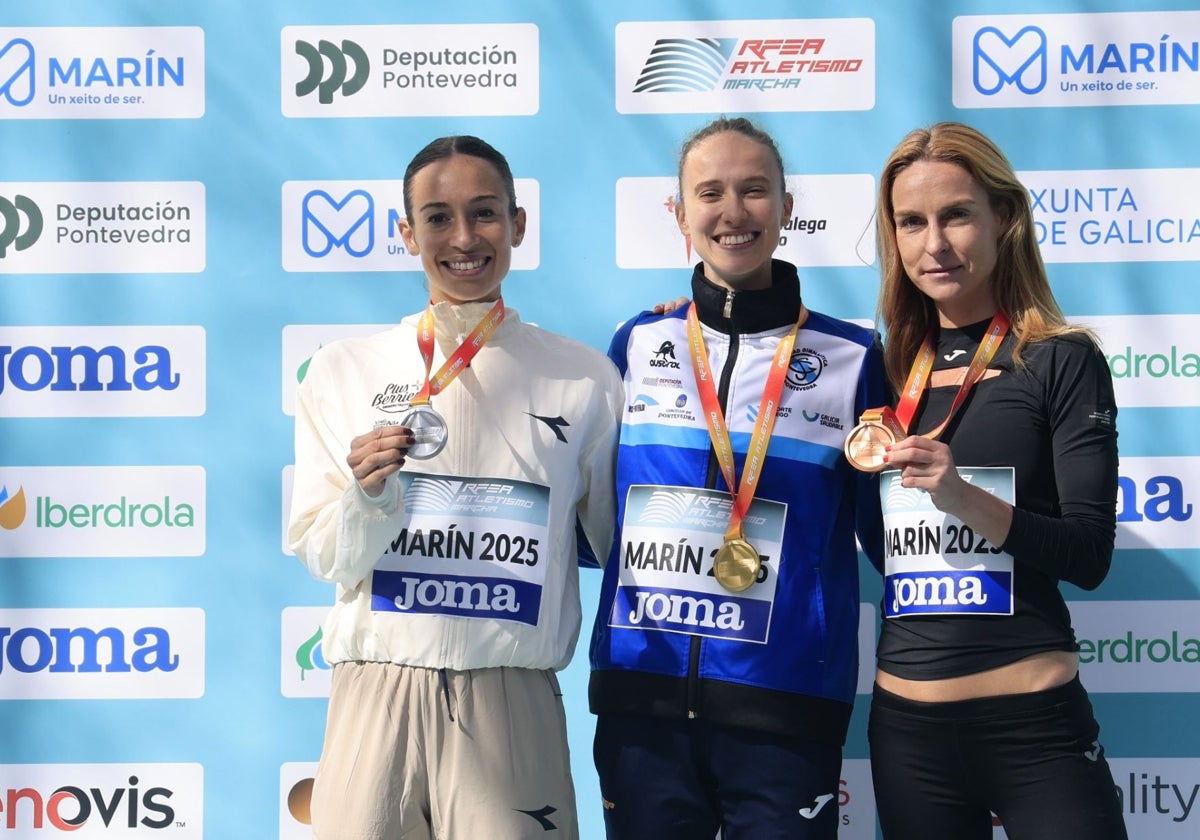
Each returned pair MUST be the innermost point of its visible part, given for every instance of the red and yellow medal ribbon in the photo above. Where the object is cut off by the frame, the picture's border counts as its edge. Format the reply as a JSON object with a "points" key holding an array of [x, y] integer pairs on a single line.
{"points": [[718, 432], [460, 358]]}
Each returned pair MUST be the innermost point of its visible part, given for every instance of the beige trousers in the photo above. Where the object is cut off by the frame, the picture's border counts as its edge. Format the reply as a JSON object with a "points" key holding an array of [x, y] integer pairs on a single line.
{"points": [[419, 753]]}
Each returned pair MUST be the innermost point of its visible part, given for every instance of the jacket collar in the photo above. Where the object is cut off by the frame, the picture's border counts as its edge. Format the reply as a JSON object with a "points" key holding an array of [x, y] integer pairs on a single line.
{"points": [[756, 310]]}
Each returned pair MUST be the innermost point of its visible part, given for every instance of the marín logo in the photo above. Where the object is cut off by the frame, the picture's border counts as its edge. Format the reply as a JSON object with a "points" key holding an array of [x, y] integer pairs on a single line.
{"points": [[998, 60], [685, 64], [327, 85], [310, 656], [16, 82], [10, 223], [12, 508], [348, 223]]}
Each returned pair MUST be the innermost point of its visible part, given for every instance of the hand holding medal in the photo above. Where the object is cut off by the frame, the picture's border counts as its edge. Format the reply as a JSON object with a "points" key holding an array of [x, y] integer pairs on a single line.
{"points": [[878, 428]]}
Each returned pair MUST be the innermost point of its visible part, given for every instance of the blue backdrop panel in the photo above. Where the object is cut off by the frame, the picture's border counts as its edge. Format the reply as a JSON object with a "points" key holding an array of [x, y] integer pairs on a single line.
{"points": [[195, 196]]}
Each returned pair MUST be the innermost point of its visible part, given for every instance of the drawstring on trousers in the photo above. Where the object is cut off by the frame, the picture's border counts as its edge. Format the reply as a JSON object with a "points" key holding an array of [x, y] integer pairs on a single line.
{"points": [[446, 692]]}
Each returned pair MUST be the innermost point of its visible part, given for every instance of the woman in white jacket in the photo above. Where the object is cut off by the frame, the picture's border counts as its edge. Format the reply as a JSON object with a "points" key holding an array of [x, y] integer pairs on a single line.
{"points": [[441, 468]]}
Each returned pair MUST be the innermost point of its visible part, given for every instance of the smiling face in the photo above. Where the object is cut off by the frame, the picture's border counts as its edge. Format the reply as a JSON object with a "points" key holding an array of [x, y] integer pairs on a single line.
{"points": [[733, 206], [947, 236], [461, 228]]}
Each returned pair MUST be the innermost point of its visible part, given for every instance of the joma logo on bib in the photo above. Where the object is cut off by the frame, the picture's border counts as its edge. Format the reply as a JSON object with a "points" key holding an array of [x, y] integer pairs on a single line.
{"points": [[462, 595], [984, 593], [466, 596], [685, 610]]}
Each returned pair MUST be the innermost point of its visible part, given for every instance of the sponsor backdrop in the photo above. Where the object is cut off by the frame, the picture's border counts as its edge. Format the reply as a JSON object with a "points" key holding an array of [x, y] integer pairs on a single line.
{"points": [[194, 197]]}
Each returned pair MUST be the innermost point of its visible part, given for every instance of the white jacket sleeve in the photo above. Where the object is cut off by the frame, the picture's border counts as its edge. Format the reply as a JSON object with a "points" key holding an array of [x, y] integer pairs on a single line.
{"points": [[596, 510], [335, 528]]}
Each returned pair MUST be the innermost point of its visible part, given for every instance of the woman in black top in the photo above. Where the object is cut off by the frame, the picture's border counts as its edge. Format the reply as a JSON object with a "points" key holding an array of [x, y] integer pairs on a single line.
{"points": [[1001, 490]]}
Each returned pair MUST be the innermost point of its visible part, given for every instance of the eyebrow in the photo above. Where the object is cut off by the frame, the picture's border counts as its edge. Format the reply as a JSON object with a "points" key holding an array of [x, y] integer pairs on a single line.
{"points": [[753, 179], [432, 205], [966, 201]]}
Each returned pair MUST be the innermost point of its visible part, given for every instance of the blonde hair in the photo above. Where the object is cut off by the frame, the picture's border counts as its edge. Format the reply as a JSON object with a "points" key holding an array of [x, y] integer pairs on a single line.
{"points": [[1019, 281]]}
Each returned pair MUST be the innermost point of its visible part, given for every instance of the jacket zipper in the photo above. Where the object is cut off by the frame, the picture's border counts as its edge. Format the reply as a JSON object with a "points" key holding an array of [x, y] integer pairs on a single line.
{"points": [[714, 469]]}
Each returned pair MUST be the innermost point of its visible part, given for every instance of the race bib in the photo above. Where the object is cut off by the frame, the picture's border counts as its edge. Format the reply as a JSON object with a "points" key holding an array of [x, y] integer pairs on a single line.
{"points": [[473, 548], [669, 537], [934, 564]]}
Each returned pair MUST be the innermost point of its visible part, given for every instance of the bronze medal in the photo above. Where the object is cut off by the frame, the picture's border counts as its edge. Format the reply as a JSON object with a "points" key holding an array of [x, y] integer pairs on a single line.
{"points": [[736, 565], [866, 445]]}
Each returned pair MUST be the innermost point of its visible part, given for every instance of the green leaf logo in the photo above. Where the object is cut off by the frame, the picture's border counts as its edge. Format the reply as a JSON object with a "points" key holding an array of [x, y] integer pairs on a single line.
{"points": [[309, 655]]}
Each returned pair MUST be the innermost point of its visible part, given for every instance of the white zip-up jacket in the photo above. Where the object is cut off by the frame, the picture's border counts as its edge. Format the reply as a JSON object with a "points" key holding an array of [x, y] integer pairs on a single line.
{"points": [[468, 559]]}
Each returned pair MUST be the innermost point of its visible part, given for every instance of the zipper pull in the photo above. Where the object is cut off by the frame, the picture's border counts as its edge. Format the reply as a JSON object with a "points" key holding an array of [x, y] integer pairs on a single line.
{"points": [[727, 312]]}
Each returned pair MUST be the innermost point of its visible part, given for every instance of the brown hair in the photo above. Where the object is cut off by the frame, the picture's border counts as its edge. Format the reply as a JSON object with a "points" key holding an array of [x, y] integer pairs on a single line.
{"points": [[740, 125], [461, 144], [1019, 281]]}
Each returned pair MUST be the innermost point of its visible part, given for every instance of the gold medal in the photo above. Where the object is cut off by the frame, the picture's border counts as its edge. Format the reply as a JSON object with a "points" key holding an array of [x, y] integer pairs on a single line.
{"points": [[736, 565], [867, 444]]}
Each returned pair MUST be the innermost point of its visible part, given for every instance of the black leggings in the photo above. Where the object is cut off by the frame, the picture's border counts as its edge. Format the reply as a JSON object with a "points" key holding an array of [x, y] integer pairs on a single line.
{"points": [[942, 769]]}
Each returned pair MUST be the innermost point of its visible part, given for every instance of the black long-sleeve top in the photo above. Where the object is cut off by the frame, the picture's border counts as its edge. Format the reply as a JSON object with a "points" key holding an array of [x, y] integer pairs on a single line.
{"points": [[1054, 422]]}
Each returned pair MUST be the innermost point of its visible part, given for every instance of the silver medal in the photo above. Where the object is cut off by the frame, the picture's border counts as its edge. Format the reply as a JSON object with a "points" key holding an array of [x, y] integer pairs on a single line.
{"points": [[429, 432]]}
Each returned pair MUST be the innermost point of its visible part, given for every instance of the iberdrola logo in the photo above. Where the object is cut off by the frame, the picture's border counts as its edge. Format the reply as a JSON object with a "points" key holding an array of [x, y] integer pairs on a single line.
{"points": [[12, 508], [310, 656]]}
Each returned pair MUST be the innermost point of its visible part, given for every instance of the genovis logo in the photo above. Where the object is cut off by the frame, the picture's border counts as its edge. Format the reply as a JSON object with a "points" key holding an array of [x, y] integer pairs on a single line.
{"points": [[1154, 359], [745, 65], [303, 669], [111, 654], [355, 226], [1156, 502], [1041, 61], [101, 72], [103, 800], [102, 371], [410, 71], [97, 227], [830, 213], [1117, 215], [1138, 646], [103, 512]]}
